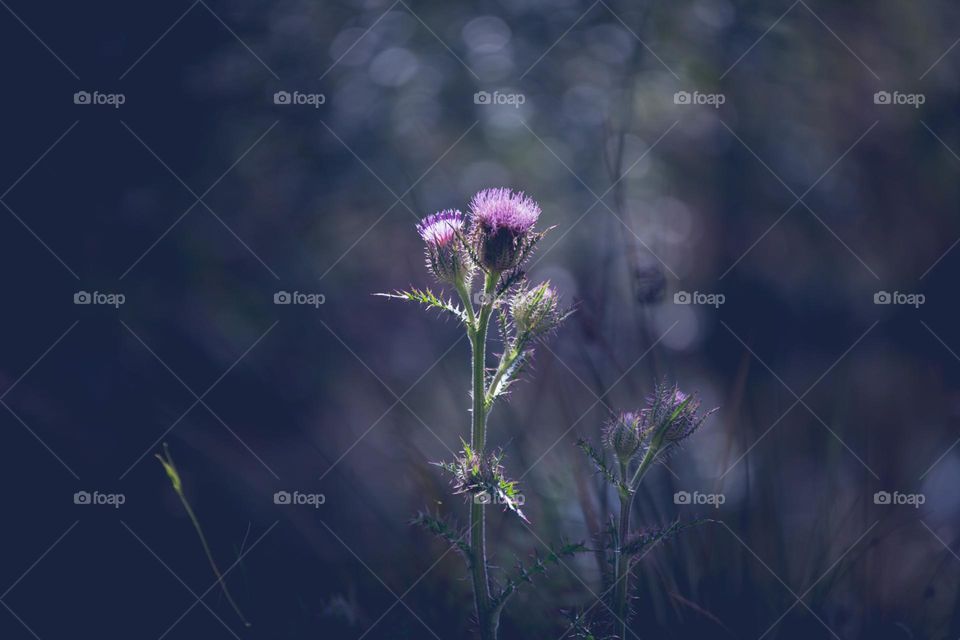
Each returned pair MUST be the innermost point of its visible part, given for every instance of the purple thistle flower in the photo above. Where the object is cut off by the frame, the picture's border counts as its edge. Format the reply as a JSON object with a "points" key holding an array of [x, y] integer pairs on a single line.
{"points": [[502, 208], [446, 257], [441, 228], [503, 227]]}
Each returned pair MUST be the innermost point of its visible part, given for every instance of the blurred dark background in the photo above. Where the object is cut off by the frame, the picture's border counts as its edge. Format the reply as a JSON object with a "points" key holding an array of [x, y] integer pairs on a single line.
{"points": [[798, 199]]}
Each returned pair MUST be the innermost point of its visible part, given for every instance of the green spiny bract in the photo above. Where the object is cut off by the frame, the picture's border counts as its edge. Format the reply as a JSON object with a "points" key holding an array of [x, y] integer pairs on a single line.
{"points": [[482, 478]]}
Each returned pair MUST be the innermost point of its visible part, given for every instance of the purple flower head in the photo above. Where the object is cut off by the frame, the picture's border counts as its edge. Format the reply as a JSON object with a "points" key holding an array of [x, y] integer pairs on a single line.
{"points": [[502, 228], [502, 208], [441, 228], [446, 257]]}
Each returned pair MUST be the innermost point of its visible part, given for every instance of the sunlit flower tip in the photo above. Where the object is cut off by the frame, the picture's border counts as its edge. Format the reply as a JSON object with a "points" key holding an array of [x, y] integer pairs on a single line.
{"points": [[446, 257], [441, 228], [623, 434], [502, 224], [503, 208], [535, 311]]}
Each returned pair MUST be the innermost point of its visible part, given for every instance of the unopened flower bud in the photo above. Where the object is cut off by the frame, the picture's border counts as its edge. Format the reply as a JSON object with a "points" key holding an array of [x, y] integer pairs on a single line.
{"points": [[535, 311], [623, 435]]}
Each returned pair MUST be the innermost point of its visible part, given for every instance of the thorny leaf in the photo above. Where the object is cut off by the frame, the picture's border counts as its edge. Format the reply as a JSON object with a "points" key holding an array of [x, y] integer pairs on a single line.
{"points": [[525, 573], [483, 480], [601, 465], [444, 529], [642, 541], [429, 299]]}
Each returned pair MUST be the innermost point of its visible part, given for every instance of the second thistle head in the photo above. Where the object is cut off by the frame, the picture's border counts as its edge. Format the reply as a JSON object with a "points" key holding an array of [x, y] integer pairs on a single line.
{"points": [[442, 235], [502, 228]]}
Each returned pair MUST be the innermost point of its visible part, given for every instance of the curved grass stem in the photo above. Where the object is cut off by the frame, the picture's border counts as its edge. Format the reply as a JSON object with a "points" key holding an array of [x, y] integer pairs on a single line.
{"points": [[174, 476]]}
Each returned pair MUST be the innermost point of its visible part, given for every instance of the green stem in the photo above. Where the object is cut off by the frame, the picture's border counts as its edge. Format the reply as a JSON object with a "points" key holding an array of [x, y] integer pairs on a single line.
{"points": [[621, 561], [506, 361], [213, 564], [487, 615], [622, 566], [464, 294]]}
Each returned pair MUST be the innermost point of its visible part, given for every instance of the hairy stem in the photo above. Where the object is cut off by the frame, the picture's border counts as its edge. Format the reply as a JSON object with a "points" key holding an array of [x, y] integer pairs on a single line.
{"points": [[488, 616], [621, 561], [506, 361], [622, 566], [464, 294]]}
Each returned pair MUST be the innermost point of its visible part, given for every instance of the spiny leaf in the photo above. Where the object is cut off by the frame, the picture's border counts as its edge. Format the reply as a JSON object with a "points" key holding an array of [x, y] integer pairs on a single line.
{"points": [[524, 573], [429, 299], [639, 543], [482, 479], [444, 529], [601, 465]]}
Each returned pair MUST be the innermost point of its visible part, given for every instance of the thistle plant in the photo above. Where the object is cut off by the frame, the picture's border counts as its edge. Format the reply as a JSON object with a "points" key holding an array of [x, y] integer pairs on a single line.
{"points": [[638, 440], [480, 256]]}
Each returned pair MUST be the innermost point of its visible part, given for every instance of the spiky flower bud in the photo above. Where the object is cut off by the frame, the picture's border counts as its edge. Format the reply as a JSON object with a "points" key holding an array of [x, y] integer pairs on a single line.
{"points": [[446, 256], [502, 230], [672, 414], [535, 311], [623, 435]]}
